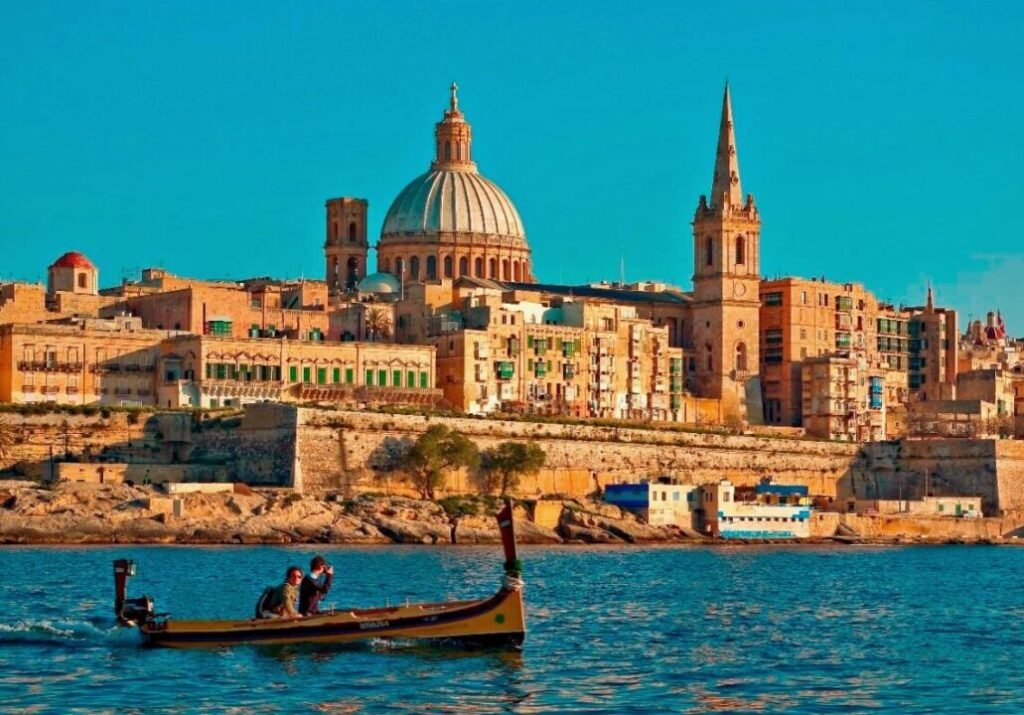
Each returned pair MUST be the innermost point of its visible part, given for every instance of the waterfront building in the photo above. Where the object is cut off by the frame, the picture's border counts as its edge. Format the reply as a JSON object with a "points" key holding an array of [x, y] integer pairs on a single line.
{"points": [[763, 517], [221, 371], [79, 362], [656, 503]]}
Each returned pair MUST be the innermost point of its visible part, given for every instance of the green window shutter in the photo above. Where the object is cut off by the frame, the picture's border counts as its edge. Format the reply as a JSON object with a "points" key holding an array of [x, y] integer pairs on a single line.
{"points": [[209, 370], [336, 377], [529, 341], [396, 378], [350, 376], [410, 379], [306, 374], [369, 377], [321, 376], [293, 374], [382, 377], [424, 380], [549, 365]]}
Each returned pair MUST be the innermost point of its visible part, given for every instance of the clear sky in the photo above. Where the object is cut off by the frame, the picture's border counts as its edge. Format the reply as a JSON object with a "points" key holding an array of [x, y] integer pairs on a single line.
{"points": [[882, 140]]}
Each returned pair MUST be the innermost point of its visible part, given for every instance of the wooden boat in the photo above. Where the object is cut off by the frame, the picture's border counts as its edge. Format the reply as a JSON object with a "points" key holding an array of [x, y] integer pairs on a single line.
{"points": [[499, 619]]}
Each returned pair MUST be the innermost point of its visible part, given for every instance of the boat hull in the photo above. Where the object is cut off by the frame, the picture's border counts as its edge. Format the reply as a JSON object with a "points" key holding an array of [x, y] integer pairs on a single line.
{"points": [[498, 620]]}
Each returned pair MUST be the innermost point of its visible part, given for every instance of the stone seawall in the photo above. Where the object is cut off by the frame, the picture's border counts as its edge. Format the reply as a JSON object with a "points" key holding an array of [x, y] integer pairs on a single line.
{"points": [[359, 451]]}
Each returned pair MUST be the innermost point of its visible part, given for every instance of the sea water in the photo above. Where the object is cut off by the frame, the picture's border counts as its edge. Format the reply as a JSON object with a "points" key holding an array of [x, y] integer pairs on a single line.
{"points": [[766, 629]]}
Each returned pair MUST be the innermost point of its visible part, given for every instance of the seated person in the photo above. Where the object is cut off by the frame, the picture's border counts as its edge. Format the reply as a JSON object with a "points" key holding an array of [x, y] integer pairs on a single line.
{"points": [[283, 600], [315, 586]]}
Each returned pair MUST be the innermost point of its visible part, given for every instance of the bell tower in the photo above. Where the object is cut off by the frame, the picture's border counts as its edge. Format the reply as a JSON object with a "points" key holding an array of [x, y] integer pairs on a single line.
{"points": [[726, 280], [346, 248]]}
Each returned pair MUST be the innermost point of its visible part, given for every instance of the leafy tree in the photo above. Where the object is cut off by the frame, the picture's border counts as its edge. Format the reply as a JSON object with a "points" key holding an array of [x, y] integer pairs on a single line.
{"points": [[436, 451], [506, 464]]}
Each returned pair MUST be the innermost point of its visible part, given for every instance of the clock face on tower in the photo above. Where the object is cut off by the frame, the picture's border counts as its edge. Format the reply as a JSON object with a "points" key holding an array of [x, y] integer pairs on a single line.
{"points": [[739, 289]]}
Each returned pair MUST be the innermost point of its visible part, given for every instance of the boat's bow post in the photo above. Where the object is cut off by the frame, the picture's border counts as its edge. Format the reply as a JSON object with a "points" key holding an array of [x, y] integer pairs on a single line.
{"points": [[129, 611], [513, 566]]}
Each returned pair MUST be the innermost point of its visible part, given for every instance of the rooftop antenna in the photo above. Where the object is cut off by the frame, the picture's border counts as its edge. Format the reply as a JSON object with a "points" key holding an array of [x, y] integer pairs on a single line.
{"points": [[622, 271]]}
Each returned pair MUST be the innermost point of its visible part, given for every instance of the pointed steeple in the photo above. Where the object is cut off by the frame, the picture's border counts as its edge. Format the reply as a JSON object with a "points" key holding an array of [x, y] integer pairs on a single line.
{"points": [[725, 186], [453, 138], [930, 301]]}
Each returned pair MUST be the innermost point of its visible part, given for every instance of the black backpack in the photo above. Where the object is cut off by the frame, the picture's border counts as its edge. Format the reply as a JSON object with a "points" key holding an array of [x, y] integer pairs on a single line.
{"points": [[265, 602]]}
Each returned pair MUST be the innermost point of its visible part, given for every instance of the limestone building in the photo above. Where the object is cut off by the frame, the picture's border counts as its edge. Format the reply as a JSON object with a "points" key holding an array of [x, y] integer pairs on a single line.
{"points": [[726, 300]]}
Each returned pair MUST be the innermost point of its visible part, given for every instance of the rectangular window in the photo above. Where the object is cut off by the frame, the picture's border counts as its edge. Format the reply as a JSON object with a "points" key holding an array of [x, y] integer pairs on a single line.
{"points": [[306, 374], [773, 298], [369, 377], [382, 377], [293, 373], [336, 377], [424, 380], [350, 375], [321, 376], [773, 336], [410, 378], [396, 378]]}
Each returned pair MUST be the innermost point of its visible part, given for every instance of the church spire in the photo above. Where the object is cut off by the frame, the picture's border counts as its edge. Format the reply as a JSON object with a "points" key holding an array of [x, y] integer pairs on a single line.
{"points": [[453, 138], [725, 186]]}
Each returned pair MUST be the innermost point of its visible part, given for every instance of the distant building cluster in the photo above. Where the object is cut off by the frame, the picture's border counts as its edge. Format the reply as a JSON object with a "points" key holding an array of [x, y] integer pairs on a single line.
{"points": [[455, 317]]}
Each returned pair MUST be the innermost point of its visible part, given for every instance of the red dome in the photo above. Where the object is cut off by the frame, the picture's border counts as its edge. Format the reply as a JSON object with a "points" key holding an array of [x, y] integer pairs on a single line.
{"points": [[73, 259]]}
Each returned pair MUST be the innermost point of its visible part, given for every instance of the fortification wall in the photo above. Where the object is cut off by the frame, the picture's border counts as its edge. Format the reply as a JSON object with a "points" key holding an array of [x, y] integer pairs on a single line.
{"points": [[360, 451]]}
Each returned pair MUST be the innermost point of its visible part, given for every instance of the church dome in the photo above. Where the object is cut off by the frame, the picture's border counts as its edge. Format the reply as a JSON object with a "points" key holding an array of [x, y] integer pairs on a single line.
{"points": [[73, 259], [452, 201], [453, 196], [380, 283]]}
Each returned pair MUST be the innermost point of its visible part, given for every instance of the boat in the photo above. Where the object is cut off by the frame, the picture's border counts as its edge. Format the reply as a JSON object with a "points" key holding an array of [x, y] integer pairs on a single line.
{"points": [[496, 620]]}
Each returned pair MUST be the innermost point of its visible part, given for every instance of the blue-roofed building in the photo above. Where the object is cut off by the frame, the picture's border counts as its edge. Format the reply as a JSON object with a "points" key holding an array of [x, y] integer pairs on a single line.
{"points": [[657, 504]]}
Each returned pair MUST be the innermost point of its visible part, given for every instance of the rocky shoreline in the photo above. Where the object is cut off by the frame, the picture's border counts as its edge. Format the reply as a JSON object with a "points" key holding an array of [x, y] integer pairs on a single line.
{"points": [[76, 513]]}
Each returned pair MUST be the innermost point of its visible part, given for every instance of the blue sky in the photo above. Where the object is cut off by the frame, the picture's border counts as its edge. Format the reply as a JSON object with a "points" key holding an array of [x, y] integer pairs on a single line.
{"points": [[881, 140]]}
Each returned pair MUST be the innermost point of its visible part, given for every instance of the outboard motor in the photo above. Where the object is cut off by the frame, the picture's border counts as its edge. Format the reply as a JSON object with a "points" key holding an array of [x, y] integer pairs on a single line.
{"points": [[129, 611]]}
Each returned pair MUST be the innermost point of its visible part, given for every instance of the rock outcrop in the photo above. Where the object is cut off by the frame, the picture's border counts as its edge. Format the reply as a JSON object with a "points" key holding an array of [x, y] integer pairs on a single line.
{"points": [[78, 513]]}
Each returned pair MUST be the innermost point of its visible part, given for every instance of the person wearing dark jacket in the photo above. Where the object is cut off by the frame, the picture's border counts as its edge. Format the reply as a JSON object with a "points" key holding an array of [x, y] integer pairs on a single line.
{"points": [[315, 586]]}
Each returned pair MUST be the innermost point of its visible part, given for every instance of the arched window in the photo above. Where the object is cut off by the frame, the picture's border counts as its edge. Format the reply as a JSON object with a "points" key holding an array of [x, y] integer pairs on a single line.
{"points": [[351, 272], [515, 271], [83, 280], [741, 357], [478, 268], [463, 266], [492, 269], [741, 245], [458, 150], [414, 267], [447, 151], [352, 232], [431, 267], [334, 230], [399, 267], [709, 251], [447, 266], [505, 271]]}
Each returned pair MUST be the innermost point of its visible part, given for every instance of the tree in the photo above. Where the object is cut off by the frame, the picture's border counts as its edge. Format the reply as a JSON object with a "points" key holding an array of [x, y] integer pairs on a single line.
{"points": [[378, 324], [435, 452], [504, 465]]}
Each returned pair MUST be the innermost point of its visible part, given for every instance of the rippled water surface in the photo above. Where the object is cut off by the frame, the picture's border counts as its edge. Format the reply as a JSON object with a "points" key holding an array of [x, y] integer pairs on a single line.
{"points": [[611, 630]]}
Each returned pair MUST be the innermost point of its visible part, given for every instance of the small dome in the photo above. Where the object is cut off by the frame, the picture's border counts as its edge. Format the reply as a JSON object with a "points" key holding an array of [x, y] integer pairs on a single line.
{"points": [[73, 259], [452, 201], [379, 283]]}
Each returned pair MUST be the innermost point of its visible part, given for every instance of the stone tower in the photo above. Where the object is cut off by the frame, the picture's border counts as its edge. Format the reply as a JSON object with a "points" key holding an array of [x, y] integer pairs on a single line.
{"points": [[345, 248], [726, 261]]}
